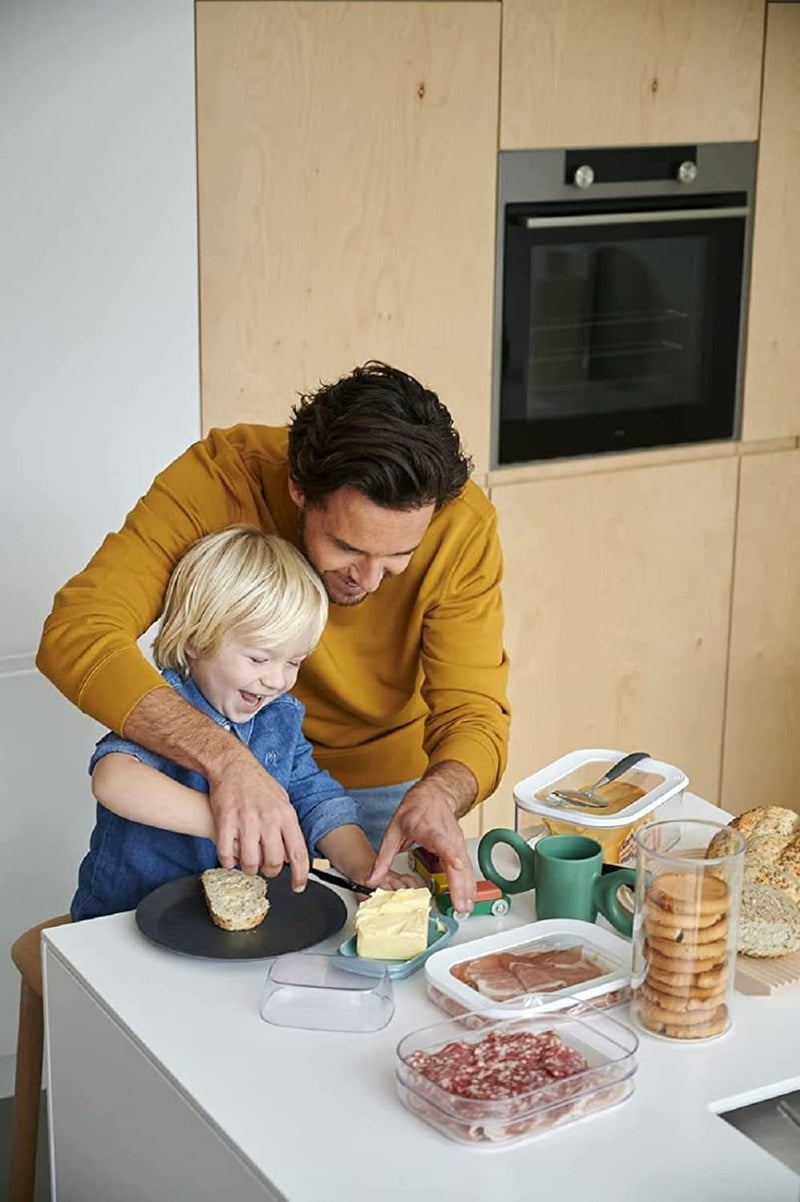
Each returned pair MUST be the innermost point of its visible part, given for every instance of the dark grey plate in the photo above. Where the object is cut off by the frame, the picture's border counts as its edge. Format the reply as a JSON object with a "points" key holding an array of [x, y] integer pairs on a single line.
{"points": [[175, 916]]}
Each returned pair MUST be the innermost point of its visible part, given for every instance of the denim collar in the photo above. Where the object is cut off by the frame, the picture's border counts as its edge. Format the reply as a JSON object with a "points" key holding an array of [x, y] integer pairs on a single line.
{"points": [[189, 690]]}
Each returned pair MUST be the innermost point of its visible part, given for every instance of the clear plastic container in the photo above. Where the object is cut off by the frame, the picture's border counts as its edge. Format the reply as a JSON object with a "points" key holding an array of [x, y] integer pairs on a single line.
{"points": [[654, 782], [327, 993], [481, 977], [685, 928], [514, 1079]]}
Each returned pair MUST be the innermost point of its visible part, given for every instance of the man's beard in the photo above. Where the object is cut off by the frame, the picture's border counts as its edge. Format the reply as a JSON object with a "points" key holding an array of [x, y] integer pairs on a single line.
{"points": [[326, 577]]}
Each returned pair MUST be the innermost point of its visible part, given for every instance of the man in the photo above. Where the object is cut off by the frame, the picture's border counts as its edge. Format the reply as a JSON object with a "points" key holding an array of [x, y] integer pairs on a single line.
{"points": [[405, 694]]}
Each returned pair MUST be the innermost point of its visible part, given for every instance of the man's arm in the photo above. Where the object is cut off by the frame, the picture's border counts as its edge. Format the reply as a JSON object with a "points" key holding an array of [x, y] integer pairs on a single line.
{"points": [[466, 733], [255, 822], [428, 815], [465, 669], [89, 650], [89, 646]]}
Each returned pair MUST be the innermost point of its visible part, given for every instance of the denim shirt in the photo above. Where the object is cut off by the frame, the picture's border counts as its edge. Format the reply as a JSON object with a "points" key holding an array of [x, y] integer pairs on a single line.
{"points": [[126, 859]]}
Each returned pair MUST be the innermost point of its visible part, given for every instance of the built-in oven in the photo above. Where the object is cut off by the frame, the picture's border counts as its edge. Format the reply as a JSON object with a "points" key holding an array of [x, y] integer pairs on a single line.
{"points": [[621, 298]]}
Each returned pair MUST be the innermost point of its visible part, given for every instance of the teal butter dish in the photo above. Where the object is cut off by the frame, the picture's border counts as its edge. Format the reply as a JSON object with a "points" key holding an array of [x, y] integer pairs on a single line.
{"points": [[441, 928]]}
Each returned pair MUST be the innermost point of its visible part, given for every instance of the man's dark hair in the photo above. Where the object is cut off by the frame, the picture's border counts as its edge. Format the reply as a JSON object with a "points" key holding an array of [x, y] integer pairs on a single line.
{"points": [[381, 432]]}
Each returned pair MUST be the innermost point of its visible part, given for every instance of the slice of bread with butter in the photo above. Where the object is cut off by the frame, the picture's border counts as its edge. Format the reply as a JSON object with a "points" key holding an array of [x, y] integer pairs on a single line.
{"points": [[236, 900]]}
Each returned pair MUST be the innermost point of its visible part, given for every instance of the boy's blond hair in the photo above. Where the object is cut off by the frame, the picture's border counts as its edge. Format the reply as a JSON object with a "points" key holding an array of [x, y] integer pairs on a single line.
{"points": [[241, 581]]}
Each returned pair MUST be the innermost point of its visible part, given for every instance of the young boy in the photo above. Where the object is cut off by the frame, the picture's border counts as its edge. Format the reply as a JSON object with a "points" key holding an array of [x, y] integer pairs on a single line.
{"points": [[242, 611]]}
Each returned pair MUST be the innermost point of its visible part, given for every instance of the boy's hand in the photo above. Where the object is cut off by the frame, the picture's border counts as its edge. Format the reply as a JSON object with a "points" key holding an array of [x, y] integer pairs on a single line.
{"points": [[400, 880]]}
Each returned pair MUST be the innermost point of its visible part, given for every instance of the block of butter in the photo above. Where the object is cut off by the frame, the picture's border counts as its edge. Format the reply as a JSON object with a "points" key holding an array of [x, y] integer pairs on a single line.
{"points": [[393, 925]]}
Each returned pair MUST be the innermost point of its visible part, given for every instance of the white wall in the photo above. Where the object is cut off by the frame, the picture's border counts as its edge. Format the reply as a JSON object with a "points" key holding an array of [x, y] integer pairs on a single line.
{"points": [[99, 382]]}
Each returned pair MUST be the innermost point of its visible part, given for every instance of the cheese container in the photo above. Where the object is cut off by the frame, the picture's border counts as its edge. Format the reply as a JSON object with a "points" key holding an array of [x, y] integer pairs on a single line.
{"points": [[513, 1080], [655, 783], [554, 964]]}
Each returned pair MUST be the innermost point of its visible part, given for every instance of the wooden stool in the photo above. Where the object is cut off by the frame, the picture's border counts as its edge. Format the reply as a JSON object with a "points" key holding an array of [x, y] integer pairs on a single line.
{"points": [[26, 953]]}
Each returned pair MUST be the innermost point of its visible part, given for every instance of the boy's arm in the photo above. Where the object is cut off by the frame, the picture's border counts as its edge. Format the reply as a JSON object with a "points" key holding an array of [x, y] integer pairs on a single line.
{"points": [[141, 793], [350, 851]]}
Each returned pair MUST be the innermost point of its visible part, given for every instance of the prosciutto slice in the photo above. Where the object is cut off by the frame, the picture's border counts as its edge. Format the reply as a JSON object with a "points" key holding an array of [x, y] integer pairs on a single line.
{"points": [[505, 975]]}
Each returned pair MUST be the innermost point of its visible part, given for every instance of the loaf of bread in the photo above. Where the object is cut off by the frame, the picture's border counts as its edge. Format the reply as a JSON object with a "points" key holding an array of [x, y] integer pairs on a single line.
{"points": [[772, 847], [769, 923], [236, 900], [767, 927]]}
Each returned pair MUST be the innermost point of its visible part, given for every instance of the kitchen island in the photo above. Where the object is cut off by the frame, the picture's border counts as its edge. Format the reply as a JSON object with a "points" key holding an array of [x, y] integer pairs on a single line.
{"points": [[165, 1083]]}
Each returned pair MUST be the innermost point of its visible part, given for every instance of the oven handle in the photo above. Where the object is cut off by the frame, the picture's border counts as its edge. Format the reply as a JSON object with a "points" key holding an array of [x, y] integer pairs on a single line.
{"points": [[542, 223]]}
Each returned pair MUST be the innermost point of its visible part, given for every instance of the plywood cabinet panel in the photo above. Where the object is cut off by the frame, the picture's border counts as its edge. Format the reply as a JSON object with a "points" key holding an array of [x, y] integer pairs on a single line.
{"points": [[617, 595], [761, 764], [616, 72], [346, 159], [772, 378]]}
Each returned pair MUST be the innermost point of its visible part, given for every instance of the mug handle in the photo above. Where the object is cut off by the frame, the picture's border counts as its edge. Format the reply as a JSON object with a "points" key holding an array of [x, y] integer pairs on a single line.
{"points": [[607, 902], [527, 860]]}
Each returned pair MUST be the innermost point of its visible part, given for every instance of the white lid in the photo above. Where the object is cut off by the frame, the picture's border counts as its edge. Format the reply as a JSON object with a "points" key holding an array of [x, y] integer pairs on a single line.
{"points": [[660, 782], [608, 946]]}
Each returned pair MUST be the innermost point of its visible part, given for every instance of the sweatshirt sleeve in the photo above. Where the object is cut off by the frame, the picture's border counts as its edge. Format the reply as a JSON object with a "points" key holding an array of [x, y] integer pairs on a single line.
{"points": [[320, 802], [89, 643], [465, 669]]}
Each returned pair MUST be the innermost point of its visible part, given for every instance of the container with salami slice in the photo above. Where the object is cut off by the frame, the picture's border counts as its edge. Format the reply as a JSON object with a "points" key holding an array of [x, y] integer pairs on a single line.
{"points": [[516, 1078]]}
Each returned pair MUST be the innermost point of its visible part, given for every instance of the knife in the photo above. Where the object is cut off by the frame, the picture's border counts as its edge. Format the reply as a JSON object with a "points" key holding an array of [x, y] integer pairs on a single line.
{"points": [[341, 881]]}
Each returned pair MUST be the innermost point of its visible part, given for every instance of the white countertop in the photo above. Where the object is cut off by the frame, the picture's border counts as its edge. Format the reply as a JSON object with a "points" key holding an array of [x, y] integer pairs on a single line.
{"points": [[316, 1114]]}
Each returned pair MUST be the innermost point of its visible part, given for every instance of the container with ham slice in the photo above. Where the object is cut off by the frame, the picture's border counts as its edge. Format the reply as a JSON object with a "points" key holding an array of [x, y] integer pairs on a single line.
{"points": [[553, 964]]}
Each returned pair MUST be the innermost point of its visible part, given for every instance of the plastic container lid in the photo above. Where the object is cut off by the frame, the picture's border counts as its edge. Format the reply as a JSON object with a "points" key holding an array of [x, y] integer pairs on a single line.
{"points": [[327, 993], [660, 782], [603, 947]]}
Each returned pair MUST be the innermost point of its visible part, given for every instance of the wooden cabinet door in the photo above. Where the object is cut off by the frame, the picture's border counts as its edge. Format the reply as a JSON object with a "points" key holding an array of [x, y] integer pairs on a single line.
{"points": [[347, 162], [772, 379], [615, 72], [617, 595], [761, 764]]}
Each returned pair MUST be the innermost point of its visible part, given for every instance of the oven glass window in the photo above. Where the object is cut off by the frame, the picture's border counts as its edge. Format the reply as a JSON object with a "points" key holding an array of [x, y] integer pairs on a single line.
{"points": [[619, 336]]}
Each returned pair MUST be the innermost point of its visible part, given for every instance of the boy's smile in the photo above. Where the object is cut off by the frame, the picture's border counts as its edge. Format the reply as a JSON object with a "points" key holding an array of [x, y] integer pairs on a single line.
{"points": [[240, 678]]}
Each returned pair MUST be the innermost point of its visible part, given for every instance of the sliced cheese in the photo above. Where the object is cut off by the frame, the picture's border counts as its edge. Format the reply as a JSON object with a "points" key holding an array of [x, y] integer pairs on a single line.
{"points": [[393, 925]]}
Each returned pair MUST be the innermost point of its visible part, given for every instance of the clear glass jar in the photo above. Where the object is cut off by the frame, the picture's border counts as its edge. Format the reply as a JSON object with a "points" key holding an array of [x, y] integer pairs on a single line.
{"points": [[685, 928]]}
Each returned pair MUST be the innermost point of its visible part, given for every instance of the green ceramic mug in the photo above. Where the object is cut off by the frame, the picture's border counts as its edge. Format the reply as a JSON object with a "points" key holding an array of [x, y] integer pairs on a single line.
{"points": [[567, 873]]}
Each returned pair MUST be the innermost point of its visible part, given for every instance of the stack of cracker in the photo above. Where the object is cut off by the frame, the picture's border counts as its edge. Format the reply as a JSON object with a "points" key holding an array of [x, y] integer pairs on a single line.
{"points": [[685, 928]]}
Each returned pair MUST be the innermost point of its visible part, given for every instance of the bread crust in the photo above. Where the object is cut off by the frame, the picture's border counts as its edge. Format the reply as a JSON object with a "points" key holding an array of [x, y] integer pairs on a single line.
{"points": [[767, 820], [243, 924]]}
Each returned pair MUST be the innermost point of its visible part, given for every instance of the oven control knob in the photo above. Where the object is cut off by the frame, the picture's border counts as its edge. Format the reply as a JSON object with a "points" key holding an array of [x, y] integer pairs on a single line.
{"points": [[687, 172], [584, 176]]}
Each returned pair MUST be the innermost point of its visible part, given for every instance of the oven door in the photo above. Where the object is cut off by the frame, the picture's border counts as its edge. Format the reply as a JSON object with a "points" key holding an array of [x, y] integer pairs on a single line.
{"points": [[619, 329]]}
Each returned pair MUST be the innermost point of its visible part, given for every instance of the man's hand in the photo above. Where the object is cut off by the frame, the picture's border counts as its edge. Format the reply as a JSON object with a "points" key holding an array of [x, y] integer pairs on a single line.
{"points": [[255, 822], [427, 815]]}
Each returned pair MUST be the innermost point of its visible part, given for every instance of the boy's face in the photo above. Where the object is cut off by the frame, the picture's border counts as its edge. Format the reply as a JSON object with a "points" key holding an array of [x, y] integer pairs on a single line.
{"points": [[354, 544], [241, 678]]}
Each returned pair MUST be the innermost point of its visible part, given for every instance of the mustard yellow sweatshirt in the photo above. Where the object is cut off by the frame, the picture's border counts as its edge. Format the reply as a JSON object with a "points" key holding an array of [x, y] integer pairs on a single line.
{"points": [[415, 674]]}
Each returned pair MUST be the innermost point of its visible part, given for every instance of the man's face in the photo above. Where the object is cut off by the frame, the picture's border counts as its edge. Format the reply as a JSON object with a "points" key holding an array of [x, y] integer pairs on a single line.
{"points": [[354, 544]]}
